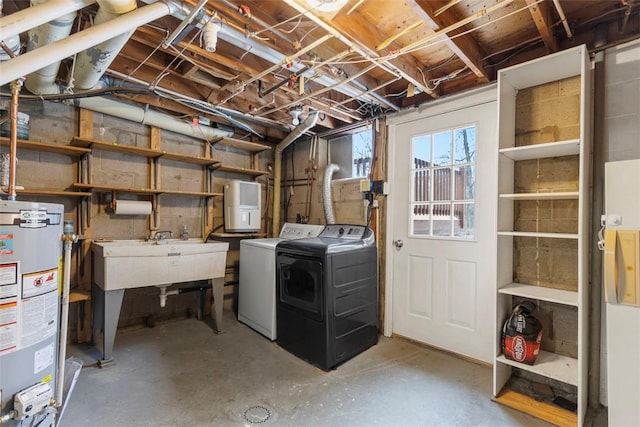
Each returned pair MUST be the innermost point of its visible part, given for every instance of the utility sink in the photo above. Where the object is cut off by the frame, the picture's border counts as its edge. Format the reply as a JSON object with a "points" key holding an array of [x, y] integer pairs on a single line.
{"points": [[145, 248], [128, 264]]}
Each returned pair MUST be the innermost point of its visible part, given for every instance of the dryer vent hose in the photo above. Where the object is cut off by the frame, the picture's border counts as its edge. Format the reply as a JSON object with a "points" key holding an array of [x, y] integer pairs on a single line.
{"points": [[326, 193]]}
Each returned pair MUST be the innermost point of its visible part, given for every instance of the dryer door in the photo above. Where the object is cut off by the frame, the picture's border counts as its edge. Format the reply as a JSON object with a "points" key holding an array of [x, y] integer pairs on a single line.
{"points": [[300, 284]]}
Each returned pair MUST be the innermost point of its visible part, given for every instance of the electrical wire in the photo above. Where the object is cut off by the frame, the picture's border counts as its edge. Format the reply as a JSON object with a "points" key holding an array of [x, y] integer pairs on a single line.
{"points": [[434, 41]]}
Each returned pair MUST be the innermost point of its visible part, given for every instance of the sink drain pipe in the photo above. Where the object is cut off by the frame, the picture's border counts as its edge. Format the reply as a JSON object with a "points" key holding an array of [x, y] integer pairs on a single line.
{"points": [[164, 293]]}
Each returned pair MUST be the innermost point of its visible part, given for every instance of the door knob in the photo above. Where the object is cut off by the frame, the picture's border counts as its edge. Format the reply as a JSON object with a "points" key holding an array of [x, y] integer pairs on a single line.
{"points": [[398, 243]]}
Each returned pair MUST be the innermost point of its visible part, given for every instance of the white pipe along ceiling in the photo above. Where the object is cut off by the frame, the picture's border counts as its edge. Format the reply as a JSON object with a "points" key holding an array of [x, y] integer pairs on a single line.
{"points": [[43, 80], [25, 19], [34, 60]]}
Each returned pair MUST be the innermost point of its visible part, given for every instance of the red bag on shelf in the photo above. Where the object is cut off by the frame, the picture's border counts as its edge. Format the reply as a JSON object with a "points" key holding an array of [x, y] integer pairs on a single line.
{"points": [[521, 334]]}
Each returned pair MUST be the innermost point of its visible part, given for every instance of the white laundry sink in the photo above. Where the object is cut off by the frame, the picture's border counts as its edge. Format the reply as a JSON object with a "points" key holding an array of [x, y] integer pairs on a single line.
{"points": [[125, 264], [153, 248]]}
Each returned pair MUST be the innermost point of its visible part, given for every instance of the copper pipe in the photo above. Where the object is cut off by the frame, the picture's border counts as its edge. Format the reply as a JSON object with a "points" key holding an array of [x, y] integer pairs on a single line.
{"points": [[16, 85]]}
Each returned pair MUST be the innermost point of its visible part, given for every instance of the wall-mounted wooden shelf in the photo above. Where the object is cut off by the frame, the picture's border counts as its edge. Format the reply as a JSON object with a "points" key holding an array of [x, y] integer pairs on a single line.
{"points": [[141, 151], [243, 145], [246, 171], [142, 190], [49, 147], [190, 193], [47, 192], [107, 188]]}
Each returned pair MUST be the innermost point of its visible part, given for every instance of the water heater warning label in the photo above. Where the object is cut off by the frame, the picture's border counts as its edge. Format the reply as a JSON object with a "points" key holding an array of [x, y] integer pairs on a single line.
{"points": [[39, 283]]}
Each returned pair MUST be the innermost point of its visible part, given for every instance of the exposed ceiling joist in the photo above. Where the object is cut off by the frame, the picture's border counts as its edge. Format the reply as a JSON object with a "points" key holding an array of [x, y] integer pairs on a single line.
{"points": [[541, 14], [464, 46]]}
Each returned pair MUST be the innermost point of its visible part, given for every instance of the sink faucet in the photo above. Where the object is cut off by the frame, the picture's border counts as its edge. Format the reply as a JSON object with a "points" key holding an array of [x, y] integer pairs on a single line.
{"points": [[160, 235]]}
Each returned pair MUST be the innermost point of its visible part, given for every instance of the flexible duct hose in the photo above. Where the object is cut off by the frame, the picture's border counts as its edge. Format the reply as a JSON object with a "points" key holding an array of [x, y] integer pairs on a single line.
{"points": [[326, 192]]}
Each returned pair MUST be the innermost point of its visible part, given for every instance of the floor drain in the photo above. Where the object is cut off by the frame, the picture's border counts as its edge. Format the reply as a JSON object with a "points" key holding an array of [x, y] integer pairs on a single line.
{"points": [[257, 414]]}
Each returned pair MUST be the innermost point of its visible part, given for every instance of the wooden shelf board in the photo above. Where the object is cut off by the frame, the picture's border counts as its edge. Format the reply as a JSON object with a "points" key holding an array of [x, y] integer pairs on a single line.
{"points": [[141, 151], [557, 296], [541, 235], [550, 365], [542, 196], [49, 147], [114, 146], [103, 188], [543, 410], [189, 193], [46, 192], [569, 147], [243, 145], [246, 171], [77, 295], [189, 159]]}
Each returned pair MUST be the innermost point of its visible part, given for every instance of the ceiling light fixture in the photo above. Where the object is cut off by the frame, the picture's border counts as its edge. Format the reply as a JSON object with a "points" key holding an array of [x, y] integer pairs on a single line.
{"points": [[326, 5], [295, 112]]}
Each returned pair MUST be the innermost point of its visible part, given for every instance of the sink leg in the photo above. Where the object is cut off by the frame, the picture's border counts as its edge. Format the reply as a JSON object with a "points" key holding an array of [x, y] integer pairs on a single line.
{"points": [[216, 307], [111, 313], [97, 310]]}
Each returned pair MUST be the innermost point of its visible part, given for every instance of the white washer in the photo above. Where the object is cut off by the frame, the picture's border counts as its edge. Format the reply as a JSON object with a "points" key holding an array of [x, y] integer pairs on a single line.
{"points": [[257, 281]]}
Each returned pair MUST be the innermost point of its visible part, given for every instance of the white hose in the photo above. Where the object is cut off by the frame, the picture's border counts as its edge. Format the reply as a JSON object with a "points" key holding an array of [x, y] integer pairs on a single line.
{"points": [[326, 193]]}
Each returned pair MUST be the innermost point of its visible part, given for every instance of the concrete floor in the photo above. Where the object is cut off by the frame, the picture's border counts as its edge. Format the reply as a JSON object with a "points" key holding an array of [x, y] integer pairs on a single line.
{"points": [[181, 374]]}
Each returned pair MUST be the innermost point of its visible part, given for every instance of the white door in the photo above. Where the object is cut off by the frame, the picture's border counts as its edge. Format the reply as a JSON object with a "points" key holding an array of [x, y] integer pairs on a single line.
{"points": [[442, 221]]}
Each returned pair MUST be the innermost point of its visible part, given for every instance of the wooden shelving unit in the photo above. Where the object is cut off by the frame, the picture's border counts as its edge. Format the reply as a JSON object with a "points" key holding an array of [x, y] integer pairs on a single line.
{"points": [[67, 150], [516, 144]]}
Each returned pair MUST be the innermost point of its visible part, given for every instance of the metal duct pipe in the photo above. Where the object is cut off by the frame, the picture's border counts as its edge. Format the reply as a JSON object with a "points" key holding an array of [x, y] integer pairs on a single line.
{"points": [[43, 81], [326, 193], [307, 124], [32, 61], [92, 63], [240, 40], [33, 16], [149, 117]]}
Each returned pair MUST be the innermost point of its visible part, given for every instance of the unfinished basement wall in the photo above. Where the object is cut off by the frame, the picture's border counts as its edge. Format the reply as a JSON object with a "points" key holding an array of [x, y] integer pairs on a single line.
{"points": [[303, 183], [545, 113], [58, 124]]}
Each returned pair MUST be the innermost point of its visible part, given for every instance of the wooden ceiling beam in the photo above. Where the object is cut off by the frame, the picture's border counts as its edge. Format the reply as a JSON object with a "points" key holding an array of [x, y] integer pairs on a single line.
{"points": [[464, 46], [358, 36], [541, 14]]}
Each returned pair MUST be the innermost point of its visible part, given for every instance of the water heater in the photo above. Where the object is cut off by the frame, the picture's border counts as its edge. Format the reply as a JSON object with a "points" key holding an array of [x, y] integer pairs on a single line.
{"points": [[30, 257], [242, 206]]}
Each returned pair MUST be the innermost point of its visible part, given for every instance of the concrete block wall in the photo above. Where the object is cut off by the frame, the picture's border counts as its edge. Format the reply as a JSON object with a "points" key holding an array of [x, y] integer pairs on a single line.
{"points": [[58, 123], [547, 113]]}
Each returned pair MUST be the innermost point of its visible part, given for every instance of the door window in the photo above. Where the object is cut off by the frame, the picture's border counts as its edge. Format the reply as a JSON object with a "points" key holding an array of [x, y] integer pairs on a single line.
{"points": [[443, 183]]}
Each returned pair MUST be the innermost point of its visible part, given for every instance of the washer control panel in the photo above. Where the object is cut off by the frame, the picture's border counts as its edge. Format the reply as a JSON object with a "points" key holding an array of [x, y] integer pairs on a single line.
{"points": [[292, 230], [344, 231]]}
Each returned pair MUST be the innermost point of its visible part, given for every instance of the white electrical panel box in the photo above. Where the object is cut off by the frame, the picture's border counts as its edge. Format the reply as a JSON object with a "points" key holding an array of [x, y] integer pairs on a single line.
{"points": [[242, 206]]}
